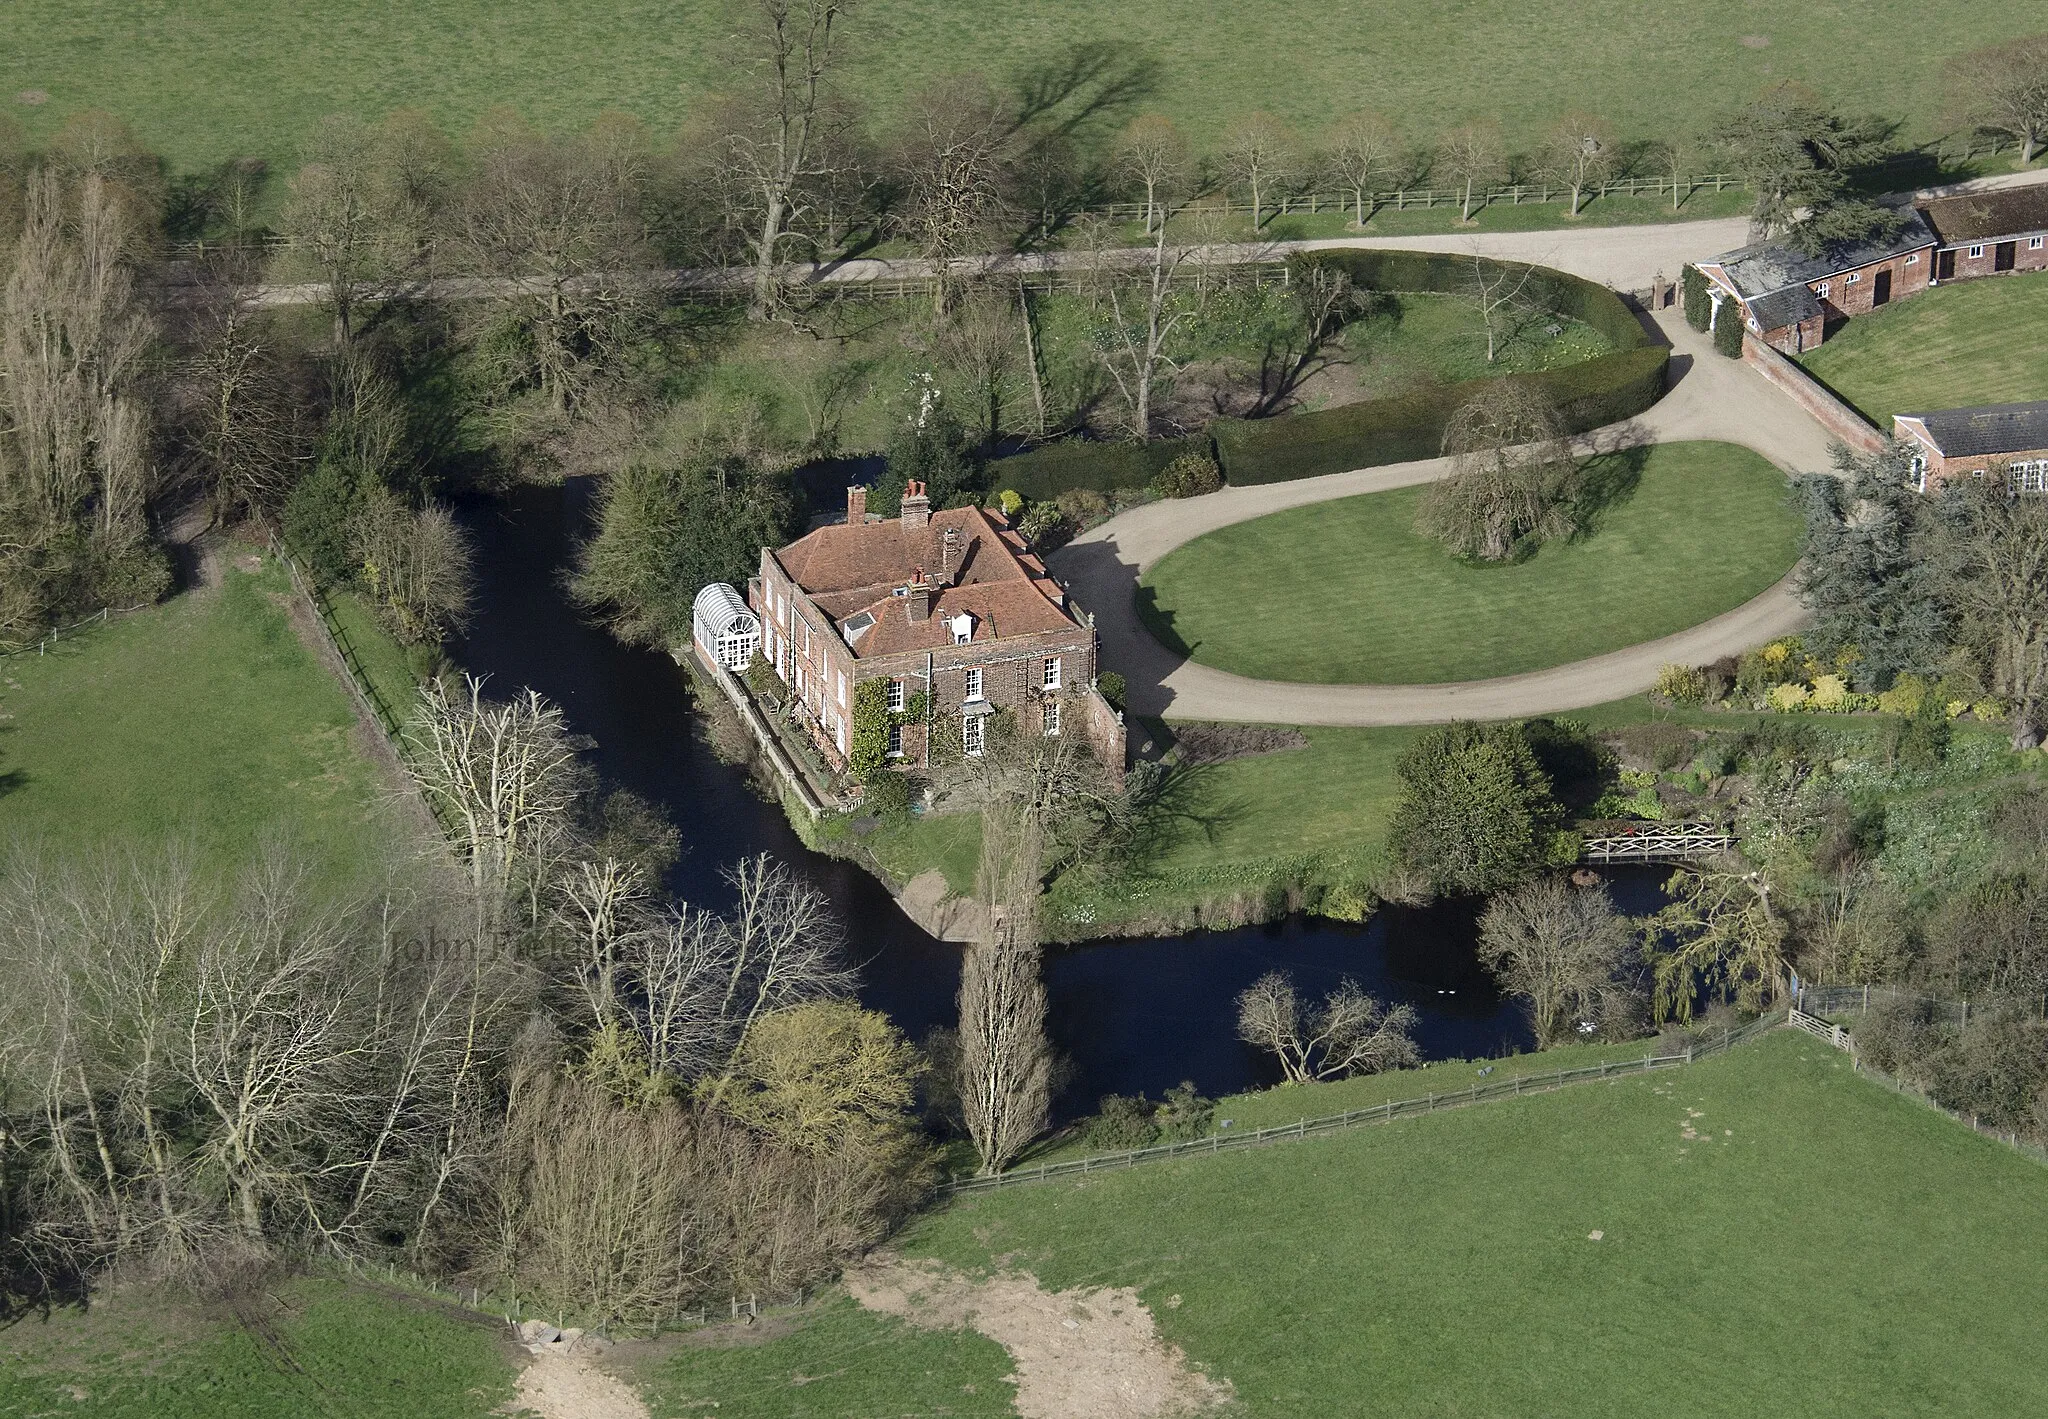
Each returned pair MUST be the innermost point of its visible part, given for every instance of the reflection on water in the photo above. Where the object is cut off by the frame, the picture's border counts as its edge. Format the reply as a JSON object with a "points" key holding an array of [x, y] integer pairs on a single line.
{"points": [[1133, 1015]]}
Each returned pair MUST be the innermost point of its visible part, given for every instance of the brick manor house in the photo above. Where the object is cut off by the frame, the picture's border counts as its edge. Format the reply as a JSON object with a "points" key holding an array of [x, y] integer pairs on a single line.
{"points": [[1792, 301], [952, 606]]}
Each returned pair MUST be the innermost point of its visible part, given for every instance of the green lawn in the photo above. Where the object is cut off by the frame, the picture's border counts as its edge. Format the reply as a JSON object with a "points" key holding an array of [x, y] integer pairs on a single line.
{"points": [[1347, 592], [212, 79], [335, 1351], [1974, 342], [205, 720], [836, 1361], [1822, 1247]]}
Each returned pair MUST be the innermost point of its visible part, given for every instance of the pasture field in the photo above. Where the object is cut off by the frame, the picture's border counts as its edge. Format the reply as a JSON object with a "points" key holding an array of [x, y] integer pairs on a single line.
{"points": [[307, 1346], [1767, 1223], [1973, 342], [1348, 592], [207, 80], [203, 721]]}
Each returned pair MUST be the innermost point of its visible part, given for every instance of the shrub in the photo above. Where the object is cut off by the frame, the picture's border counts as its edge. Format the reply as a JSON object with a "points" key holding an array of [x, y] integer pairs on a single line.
{"points": [[1111, 687], [1045, 526], [1348, 901], [1786, 698], [1185, 1114], [1477, 811], [1683, 684], [886, 792], [1905, 697], [1728, 332], [1010, 501], [1656, 743], [1189, 476], [1830, 694], [1082, 505], [1692, 291], [1122, 1122]]}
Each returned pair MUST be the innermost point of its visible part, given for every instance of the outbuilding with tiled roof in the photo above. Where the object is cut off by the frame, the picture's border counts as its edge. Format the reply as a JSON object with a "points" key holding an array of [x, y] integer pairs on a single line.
{"points": [[2010, 440]]}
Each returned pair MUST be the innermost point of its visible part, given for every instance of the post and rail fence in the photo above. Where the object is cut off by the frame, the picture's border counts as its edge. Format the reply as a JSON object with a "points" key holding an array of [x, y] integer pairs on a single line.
{"points": [[1379, 1113]]}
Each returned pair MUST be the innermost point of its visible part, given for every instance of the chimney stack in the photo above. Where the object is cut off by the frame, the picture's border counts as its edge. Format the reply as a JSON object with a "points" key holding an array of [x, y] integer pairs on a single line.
{"points": [[920, 595], [856, 506], [917, 508], [949, 556]]}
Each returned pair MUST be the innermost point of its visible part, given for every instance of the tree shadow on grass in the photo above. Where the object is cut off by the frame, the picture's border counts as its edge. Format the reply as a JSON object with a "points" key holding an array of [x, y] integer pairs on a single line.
{"points": [[1606, 483], [1160, 622]]}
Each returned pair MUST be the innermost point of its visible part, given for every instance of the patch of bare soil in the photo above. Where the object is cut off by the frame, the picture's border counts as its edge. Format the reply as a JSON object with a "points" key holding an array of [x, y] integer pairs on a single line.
{"points": [[561, 1380], [1085, 1353]]}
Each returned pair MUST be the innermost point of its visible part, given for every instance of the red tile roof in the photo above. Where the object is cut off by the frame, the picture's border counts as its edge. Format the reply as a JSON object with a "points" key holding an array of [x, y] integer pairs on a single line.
{"points": [[854, 567]]}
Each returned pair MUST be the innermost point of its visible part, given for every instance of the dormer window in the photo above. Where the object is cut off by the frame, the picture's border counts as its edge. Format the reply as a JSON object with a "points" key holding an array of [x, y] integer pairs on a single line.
{"points": [[963, 628]]}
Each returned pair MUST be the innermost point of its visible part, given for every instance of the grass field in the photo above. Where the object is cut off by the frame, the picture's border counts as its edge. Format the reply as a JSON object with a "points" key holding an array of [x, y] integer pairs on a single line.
{"points": [[1348, 592], [204, 720], [1820, 1245], [1974, 342], [334, 1351], [212, 79]]}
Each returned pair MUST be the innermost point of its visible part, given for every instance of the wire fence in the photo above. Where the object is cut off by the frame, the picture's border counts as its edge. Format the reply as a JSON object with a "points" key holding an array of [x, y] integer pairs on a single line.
{"points": [[1833, 1000], [41, 645], [1841, 1039], [1379, 1113]]}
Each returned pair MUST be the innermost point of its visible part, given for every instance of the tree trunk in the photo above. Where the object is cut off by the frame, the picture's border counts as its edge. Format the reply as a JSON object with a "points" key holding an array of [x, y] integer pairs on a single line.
{"points": [[764, 258], [1465, 212], [1257, 205]]}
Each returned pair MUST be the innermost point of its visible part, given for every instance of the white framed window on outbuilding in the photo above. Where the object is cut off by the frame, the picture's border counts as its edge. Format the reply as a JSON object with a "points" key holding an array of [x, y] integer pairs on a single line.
{"points": [[724, 628]]}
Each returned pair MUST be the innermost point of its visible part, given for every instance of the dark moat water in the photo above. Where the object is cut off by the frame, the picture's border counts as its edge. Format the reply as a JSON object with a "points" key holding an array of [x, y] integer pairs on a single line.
{"points": [[1133, 1015]]}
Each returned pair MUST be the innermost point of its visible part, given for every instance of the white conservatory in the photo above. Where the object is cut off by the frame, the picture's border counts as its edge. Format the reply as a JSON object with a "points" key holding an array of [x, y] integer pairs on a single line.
{"points": [[724, 629]]}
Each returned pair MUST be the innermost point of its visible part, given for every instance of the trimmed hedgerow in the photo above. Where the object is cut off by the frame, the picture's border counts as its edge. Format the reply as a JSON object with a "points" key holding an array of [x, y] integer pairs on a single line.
{"points": [[1728, 331], [1692, 290], [1045, 473], [1411, 426]]}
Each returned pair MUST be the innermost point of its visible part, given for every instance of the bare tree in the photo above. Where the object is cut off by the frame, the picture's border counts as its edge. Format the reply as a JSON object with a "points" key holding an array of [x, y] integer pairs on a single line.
{"points": [[1990, 558], [2004, 88], [1512, 474], [1136, 350], [414, 564], [978, 349], [952, 161], [242, 423], [76, 472], [1348, 1033], [1563, 948], [503, 774], [559, 223], [779, 145], [1152, 154], [1260, 153], [1364, 149], [1005, 1058], [1578, 153], [1499, 293], [1470, 156]]}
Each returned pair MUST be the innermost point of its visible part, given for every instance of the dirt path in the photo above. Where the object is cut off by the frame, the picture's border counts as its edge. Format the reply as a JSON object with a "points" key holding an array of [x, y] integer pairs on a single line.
{"points": [[1087, 1353], [560, 1382], [1712, 398]]}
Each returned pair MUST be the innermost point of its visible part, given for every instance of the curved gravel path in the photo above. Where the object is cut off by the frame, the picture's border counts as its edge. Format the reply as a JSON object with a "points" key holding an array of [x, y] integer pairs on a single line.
{"points": [[1711, 398]]}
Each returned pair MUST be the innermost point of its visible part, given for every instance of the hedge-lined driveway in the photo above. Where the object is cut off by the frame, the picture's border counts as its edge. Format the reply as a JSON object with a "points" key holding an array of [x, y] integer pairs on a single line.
{"points": [[1712, 398]]}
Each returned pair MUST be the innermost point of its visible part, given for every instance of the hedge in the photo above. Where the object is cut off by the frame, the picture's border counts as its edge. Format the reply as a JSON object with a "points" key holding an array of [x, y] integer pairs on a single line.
{"points": [[1398, 430], [1378, 431], [1048, 471]]}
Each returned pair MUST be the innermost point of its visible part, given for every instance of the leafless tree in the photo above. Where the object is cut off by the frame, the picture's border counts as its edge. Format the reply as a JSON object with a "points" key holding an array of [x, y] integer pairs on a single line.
{"points": [[1005, 1059], [1364, 149], [2004, 88], [1048, 181], [1135, 351], [1578, 153], [1152, 154], [76, 472], [502, 772], [363, 209], [1563, 949], [1260, 153], [1348, 1033], [779, 145], [414, 564], [1990, 556], [951, 160], [1470, 156], [1499, 293], [562, 221], [977, 346], [243, 424], [1512, 474]]}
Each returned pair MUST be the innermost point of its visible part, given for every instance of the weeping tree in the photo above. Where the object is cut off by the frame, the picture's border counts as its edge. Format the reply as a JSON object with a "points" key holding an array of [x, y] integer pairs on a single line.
{"points": [[1512, 475]]}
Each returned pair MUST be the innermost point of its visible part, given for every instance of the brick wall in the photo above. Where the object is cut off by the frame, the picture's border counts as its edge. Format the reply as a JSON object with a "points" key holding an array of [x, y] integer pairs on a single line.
{"points": [[2025, 258], [1854, 292], [1834, 416]]}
